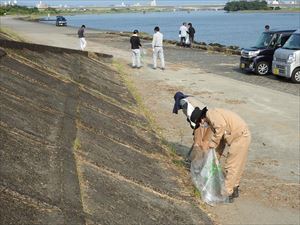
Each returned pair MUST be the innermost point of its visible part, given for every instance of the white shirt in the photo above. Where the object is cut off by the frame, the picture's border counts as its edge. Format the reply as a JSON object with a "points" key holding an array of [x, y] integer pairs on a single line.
{"points": [[157, 40], [188, 110], [183, 31], [189, 107]]}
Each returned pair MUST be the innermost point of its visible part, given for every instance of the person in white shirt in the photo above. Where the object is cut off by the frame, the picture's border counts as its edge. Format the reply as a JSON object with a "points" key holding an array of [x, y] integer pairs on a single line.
{"points": [[157, 46], [183, 34]]}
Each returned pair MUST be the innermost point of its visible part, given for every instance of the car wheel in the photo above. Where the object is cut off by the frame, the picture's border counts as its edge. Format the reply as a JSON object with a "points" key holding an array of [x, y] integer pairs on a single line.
{"points": [[296, 75], [262, 68]]}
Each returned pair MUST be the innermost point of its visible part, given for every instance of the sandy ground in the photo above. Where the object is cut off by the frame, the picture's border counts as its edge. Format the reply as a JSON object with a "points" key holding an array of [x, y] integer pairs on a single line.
{"points": [[270, 187]]}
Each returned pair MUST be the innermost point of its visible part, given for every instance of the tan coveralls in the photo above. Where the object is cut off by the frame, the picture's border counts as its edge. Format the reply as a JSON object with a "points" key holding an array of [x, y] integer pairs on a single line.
{"points": [[227, 128]]}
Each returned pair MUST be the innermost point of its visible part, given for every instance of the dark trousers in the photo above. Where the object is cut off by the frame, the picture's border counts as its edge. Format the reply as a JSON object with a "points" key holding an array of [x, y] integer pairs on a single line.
{"points": [[182, 41], [191, 39]]}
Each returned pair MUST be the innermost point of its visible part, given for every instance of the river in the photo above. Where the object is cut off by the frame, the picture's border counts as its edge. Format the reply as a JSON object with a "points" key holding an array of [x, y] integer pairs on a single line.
{"points": [[239, 29]]}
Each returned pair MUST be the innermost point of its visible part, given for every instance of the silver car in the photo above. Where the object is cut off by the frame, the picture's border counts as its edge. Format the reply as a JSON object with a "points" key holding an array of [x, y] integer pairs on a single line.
{"points": [[286, 60]]}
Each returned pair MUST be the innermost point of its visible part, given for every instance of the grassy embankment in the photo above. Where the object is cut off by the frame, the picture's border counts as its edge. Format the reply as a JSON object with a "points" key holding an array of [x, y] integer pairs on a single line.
{"points": [[119, 67], [35, 12], [177, 160]]}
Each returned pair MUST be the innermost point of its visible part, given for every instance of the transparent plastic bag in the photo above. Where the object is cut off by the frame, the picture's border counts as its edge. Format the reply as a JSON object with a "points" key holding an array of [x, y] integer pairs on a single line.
{"points": [[208, 177], [187, 40], [143, 54]]}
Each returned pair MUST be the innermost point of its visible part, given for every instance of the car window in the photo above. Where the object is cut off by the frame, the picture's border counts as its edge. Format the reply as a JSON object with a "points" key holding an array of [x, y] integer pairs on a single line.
{"points": [[60, 18], [274, 40], [265, 40], [293, 42], [283, 39]]}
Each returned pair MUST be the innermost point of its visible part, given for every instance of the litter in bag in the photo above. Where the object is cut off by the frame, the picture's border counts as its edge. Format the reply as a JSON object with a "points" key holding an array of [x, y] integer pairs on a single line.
{"points": [[207, 175], [187, 40], [143, 54]]}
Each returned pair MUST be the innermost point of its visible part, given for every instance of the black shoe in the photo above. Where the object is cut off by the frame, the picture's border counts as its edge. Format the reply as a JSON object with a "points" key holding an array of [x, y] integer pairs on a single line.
{"points": [[230, 198], [235, 193], [187, 163]]}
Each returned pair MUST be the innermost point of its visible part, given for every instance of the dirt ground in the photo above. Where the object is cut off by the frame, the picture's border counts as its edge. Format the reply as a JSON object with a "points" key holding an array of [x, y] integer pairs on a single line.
{"points": [[270, 189]]}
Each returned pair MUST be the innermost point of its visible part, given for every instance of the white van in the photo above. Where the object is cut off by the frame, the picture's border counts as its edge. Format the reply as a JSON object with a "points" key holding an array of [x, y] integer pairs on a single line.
{"points": [[286, 60]]}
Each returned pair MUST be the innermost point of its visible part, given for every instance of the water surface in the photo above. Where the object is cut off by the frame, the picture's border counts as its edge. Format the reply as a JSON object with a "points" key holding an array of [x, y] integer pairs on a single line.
{"points": [[241, 29]]}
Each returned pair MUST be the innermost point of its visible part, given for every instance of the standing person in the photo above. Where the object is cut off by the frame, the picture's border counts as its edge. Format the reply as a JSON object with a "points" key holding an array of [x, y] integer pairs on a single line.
{"points": [[229, 128], [267, 28], [157, 46], [191, 32], [135, 48], [82, 37], [183, 33]]}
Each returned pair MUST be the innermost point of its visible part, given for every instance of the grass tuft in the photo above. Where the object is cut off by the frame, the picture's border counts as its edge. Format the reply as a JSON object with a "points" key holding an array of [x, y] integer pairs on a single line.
{"points": [[77, 144], [196, 192]]}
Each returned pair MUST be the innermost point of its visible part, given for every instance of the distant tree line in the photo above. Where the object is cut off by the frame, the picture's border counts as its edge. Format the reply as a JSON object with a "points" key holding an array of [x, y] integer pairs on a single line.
{"points": [[23, 10], [245, 5]]}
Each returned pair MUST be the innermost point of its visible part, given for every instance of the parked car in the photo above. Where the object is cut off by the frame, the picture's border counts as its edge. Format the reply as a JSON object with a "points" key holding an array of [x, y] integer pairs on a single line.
{"points": [[259, 58], [286, 60], [61, 21]]}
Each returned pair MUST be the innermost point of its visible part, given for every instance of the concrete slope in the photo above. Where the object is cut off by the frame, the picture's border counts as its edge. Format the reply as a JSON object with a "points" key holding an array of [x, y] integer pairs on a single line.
{"points": [[75, 150]]}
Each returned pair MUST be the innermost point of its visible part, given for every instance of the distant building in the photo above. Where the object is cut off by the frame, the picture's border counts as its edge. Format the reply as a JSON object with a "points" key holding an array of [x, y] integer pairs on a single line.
{"points": [[273, 2], [41, 5], [7, 3], [153, 3]]}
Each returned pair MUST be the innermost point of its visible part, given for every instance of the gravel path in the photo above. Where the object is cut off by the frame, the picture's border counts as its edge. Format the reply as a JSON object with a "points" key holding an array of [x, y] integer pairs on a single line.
{"points": [[216, 63]]}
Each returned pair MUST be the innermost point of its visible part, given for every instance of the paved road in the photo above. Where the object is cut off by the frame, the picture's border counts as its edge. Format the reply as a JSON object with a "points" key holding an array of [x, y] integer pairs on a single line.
{"points": [[226, 65], [216, 63]]}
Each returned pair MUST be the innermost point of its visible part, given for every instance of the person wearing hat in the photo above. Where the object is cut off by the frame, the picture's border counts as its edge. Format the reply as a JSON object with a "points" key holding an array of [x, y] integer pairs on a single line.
{"points": [[135, 48], [188, 103], [229, 128]]}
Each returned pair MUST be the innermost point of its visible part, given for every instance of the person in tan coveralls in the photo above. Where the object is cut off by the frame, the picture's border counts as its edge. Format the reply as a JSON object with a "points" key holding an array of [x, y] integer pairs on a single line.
{"points": [[226, 127], [187, 104]]}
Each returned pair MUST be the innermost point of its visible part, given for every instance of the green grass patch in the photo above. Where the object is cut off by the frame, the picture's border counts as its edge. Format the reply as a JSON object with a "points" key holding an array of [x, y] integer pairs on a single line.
{"points": [[175, 158], [77, 144], [196, 192], [179, 162], [23, 10], [10, 35], [129, 84]]}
